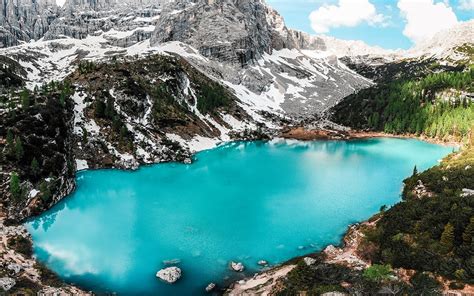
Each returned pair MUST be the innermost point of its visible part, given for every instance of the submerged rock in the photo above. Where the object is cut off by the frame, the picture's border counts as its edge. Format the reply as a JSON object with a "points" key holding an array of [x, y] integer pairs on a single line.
{"points": [[170, 274], [171, 262], [239, 267], [210, 287], [262, 263], [7, 283]]}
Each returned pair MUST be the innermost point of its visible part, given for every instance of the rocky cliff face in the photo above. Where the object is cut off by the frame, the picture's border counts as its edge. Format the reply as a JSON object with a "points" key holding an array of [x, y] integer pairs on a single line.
{"points": [[233, 31], [25, 20], [82, 18]]}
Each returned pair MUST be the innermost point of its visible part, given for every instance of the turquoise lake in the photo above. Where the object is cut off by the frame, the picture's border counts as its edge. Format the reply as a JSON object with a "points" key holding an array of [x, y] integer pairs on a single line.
{"points": [[241, 201]]}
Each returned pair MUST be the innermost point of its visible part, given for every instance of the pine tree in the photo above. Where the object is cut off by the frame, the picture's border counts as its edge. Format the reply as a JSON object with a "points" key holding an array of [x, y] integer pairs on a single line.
{"points": [[62, 98], [109, 108], [35, 166], [447, 238], [99, 110], [25, 98], [10, 140], [19, 152], [85, 136], [468, 233], [15, 188], [415, 171], [45, 191]]}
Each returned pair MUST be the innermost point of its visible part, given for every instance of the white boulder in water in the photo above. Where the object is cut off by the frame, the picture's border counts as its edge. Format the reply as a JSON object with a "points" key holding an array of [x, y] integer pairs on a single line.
{"points": [[237, 266], [170, 274], [262, 263]]}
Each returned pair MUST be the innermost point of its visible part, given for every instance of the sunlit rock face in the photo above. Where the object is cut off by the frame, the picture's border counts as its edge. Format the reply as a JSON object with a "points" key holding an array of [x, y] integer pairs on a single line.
{"points": [[25, 20], [82, 18], [235, 31]]}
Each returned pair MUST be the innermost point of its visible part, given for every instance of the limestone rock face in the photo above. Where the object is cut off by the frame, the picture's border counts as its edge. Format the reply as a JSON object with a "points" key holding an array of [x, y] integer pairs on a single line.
{"points": [[124, 22], [234, 31], [25, 20]]}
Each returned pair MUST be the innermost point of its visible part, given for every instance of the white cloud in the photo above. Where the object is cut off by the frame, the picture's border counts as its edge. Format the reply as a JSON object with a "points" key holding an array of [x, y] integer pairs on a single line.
{"points": [[424, 18], [347, 13], [466, 4]]}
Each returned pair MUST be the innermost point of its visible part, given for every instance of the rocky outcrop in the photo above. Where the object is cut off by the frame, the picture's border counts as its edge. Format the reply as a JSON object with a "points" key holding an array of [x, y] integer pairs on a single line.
{"points": [[7, 283], [122, 23], [169, 275], [262, 283], [233, 31], [25, 20], [309, 261], [467, 192], [20, 274]]}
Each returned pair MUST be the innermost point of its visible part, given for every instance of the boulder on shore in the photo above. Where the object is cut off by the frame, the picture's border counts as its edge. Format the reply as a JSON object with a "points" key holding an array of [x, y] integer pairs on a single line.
{"points": [[237, 266], [14, 268], [7, 283], [309, 261], [170, 274]]}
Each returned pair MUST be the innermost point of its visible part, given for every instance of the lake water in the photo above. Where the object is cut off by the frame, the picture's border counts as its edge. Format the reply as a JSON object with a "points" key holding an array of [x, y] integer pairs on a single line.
{"points": [[241, 201]]}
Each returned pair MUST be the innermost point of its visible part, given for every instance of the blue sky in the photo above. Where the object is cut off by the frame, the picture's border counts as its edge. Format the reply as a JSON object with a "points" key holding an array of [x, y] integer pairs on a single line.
{"points": [[387, 23]]}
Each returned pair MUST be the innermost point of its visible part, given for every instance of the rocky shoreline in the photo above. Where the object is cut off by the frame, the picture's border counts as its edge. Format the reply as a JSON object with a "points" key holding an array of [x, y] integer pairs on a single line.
{"points": [[19, 270], [347, 254], [306, 134], [269, 282]]}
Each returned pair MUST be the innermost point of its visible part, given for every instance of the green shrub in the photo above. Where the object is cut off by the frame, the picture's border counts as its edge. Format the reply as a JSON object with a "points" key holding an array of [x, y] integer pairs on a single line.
{"points": [[378, 273], [21, 245]]}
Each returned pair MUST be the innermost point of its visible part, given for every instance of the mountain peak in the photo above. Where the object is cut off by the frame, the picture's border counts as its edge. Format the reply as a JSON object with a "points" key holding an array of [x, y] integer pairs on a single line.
{"points": [[444, 43]]}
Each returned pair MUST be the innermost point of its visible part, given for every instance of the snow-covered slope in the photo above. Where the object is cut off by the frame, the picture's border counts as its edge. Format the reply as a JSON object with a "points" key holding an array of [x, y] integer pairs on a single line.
{"points": [[344, 48], [243, 44]]}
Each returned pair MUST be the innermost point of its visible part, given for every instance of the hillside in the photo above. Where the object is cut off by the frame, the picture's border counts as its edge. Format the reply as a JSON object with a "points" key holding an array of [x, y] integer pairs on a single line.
{"points": [[420, 246]]}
